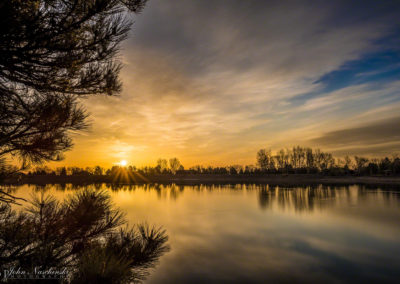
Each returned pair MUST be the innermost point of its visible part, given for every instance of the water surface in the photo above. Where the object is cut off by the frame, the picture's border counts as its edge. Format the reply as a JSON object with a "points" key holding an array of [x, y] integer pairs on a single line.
{"points": [[259, 234]]}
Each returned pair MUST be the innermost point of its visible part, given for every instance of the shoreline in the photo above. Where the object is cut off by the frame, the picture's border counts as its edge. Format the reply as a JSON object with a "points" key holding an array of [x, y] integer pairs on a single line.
{"points": [[291, 179]]}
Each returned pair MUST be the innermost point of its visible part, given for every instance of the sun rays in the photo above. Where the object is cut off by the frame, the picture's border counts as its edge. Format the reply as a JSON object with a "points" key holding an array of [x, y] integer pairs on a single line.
{"points": [[127, 174]]}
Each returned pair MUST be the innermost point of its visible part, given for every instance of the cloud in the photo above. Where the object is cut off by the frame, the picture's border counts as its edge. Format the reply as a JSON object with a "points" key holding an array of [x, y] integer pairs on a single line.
{"points": [[212, 81], [296, 38], [377, 136]]}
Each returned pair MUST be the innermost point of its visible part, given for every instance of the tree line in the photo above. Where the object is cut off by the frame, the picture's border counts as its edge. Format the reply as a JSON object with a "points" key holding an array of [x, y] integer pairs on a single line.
{"points": [[307, 160], [295, 160]]}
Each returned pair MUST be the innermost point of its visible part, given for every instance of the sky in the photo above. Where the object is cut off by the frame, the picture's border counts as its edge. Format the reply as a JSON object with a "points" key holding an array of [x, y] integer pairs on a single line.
{"points": [[212, 82]]}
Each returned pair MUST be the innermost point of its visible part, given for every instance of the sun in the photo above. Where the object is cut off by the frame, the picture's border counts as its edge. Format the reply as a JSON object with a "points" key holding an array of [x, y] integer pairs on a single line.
{"points": [[123, 163]]}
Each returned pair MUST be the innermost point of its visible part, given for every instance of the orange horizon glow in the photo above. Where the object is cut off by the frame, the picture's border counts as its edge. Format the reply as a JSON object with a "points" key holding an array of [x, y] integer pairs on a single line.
{"points": [[215, 98]]}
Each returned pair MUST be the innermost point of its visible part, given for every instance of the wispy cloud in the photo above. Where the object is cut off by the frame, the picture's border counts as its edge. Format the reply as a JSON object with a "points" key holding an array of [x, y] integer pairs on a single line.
{"points": [[211, 82], [370, 135]]}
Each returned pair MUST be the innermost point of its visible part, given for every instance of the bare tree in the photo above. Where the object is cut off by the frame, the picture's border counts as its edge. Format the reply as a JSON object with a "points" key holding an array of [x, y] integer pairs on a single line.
{"points": [[309, 159], [360, 163], [162, 165], [265, 160], [174, 165]]}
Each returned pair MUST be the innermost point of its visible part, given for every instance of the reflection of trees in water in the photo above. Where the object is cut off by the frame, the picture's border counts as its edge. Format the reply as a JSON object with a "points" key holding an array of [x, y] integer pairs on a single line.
{"points": [[175, 191], [299, 198], [309, 198], [64, 187], [82, 234], [171, 191]]}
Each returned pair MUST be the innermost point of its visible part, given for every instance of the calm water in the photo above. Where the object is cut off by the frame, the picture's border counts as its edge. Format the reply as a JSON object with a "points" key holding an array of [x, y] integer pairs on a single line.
{"points": [[259, 234]]}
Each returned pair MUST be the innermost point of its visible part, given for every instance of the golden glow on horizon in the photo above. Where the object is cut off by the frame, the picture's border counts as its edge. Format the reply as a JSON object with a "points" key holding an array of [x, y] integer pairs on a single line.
{"points": [[218, 105], [164, 114], [123, 163]]}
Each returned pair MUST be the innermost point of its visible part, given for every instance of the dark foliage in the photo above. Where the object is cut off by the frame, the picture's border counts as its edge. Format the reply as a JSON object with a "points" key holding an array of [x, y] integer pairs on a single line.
{"points": [[82, 234], [51, 53]]}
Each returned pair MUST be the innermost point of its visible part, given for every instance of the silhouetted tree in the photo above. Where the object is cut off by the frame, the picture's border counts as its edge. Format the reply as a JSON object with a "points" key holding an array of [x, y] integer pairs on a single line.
{"points": [[265, 160], [373, 168], [162, 165], [360, 163], [82, 234], [63, 171], [51, 53], [347, 164], [174, 165], [98, 170], [309, 159]]}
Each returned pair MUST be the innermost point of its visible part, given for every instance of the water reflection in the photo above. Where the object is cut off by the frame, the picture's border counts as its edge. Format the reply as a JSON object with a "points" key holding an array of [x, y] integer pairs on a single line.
{"points": [[259, 233], [319, 197], [305, 198]]}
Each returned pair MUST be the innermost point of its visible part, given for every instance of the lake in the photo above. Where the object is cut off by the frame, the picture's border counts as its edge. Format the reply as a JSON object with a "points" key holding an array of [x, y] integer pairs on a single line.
{"points": [[261, 233]]}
